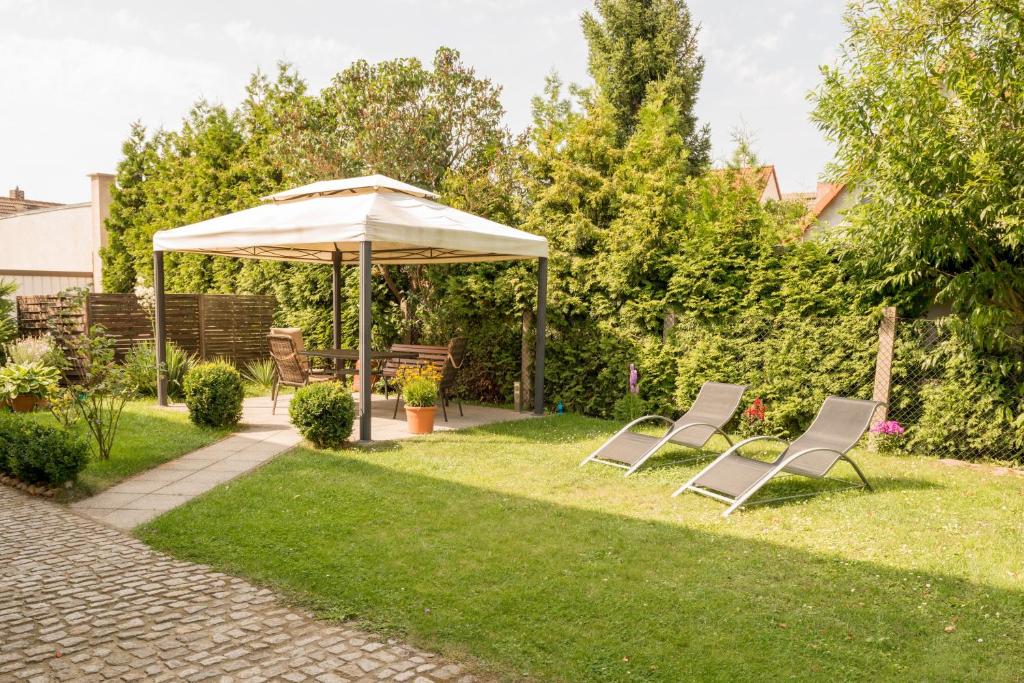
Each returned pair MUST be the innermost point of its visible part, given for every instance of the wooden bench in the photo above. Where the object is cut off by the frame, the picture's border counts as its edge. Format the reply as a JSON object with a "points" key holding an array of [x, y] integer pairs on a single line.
{"points": [[447, 359]]}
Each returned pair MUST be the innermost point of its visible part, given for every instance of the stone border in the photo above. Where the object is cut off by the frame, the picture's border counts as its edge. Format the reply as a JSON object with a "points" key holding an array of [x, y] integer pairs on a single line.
{"points": [[31, 489]]}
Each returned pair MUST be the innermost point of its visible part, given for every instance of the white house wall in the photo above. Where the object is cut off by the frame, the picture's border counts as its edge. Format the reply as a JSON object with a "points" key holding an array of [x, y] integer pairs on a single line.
{"points": [[41, 250]]}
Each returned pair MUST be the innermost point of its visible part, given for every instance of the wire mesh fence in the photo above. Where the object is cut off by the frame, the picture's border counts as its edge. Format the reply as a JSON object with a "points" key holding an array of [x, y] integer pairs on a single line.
{"points": [[941, 402]]}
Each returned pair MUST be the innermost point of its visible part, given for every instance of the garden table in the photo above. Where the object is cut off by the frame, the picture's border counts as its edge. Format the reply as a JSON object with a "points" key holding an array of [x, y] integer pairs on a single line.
{"points": [[341, 356]]}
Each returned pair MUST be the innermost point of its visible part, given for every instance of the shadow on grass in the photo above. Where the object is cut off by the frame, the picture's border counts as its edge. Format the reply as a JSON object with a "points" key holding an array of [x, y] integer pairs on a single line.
{"points": [[539, 590]]}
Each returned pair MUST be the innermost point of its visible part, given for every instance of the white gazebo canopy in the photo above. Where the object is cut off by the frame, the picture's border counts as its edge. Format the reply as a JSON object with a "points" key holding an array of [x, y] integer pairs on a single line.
{"points": [[312, 223], [355, 221]]}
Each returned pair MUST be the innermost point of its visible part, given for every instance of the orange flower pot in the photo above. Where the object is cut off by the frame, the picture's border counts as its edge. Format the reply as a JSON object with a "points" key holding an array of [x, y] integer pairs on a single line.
{"points": [[420, 420], [24, 403]]}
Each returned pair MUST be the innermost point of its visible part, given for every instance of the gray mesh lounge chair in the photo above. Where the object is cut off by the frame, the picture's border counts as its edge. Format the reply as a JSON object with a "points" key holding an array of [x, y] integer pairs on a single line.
{"points": [[838, 426], [713, 407]]}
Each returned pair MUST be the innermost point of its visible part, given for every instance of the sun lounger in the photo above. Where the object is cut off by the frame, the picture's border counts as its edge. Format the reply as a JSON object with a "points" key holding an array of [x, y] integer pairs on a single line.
{"points": [[733, 478], [711, 410]]}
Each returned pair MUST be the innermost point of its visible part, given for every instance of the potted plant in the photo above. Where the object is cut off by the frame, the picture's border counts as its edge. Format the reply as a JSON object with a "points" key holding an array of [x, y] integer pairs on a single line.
{"points": [[23, 385], [419, 392]]}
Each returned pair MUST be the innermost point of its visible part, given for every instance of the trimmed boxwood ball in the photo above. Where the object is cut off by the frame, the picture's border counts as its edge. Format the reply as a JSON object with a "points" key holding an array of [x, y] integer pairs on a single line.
{"points": [[213, 394], [38, 454], [323, 413]]}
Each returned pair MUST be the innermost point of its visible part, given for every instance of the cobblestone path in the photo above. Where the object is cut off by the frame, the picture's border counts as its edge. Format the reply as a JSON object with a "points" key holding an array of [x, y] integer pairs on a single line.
{"points": [[80, 601]]}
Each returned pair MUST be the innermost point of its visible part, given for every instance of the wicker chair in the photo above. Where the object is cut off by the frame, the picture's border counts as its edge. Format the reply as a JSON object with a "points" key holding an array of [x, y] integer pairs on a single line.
{"points": [[291, 371]]}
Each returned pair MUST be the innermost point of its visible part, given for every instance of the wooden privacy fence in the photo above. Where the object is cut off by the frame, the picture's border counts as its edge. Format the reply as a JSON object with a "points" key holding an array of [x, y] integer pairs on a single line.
{"points": [[230, 326]]}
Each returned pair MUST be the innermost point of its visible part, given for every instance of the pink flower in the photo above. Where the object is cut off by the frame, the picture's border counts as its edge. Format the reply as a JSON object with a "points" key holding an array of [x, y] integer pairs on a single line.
{"points": [[890, 427]]}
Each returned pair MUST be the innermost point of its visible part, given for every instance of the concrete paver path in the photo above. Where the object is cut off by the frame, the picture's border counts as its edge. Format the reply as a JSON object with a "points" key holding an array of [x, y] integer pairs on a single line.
{"points": [[80, 601], [153, 492]]}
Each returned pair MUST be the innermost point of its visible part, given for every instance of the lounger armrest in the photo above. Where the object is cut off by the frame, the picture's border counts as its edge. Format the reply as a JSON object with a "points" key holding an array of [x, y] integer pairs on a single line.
{"points": [[645, 418]]}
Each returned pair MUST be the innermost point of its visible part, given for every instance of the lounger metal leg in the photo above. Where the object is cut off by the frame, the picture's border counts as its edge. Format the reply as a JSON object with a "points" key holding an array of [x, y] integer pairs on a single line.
{"points": [[444, 409], [398, 400], [274, 391], [860, 474], [461, 414]]}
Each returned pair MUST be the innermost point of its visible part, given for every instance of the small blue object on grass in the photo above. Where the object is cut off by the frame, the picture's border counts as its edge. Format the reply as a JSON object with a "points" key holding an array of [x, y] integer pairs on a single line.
{"points": [[560, 409]]}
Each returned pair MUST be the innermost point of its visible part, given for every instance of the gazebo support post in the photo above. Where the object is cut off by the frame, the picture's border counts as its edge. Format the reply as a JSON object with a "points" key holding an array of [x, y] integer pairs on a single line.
{"points": [[365, 323], [336, 299], [160, 315], [542, 321]]}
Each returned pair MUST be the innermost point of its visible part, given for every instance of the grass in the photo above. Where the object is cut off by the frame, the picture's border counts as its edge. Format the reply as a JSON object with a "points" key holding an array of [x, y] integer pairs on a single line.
{"points": [[147, 436], [493, 547]]}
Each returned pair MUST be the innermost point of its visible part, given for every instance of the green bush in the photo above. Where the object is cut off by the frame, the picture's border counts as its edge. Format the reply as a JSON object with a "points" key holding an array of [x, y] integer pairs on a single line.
{"points": [[323, 413], [38, 454], [791, 364], [213, 394], [33, 379], [261, 374], [964, 414], [629, 408], [140, 364]]}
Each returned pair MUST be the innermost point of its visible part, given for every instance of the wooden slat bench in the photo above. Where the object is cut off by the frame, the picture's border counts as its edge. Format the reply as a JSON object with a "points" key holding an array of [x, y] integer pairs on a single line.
{"points": [[447, 359]]}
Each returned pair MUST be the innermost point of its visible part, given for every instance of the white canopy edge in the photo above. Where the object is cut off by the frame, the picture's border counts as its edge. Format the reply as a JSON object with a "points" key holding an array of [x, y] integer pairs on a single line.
{"points": [[367, 183], [401, 227]]}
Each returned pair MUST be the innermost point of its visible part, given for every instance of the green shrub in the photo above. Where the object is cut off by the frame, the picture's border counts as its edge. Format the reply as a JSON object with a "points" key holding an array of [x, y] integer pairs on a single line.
{"points": [[177, 365], [419, 385], [629, 408], [213, 394], [34, 379], [140, 367], [791, 364], [261, 373], [323, 413], [38, 454], [140, 364], [964, 414]]}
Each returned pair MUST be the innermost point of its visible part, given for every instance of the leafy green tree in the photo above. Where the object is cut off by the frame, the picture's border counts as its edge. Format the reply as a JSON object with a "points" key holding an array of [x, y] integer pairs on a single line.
{"points": [[636, 44], [925, 109]]}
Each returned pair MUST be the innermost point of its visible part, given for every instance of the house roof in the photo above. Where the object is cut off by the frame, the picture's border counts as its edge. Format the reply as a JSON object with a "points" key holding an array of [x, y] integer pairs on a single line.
{"points": [[825, 199], [18, 204], [827, 194]]}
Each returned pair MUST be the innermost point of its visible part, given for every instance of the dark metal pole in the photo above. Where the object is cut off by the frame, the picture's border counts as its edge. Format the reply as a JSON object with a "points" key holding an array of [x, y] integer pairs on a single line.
{"points": [[336, 298], [542, 323], [161, 327], [365, 323]]}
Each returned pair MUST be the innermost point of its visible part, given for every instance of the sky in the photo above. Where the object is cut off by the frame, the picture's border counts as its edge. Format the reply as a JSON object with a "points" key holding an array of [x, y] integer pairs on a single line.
{"points": [[76, 74]]}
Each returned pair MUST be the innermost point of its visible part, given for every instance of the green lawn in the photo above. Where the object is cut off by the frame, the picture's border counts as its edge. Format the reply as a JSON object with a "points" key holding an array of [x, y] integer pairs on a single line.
{"points": [[492, 546], [147, 436]]}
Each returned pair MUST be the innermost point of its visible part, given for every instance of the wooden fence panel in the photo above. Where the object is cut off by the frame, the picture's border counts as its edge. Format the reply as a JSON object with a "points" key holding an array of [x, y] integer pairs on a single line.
{"points": [[236, 327], [211, 326], [34, 312]]}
